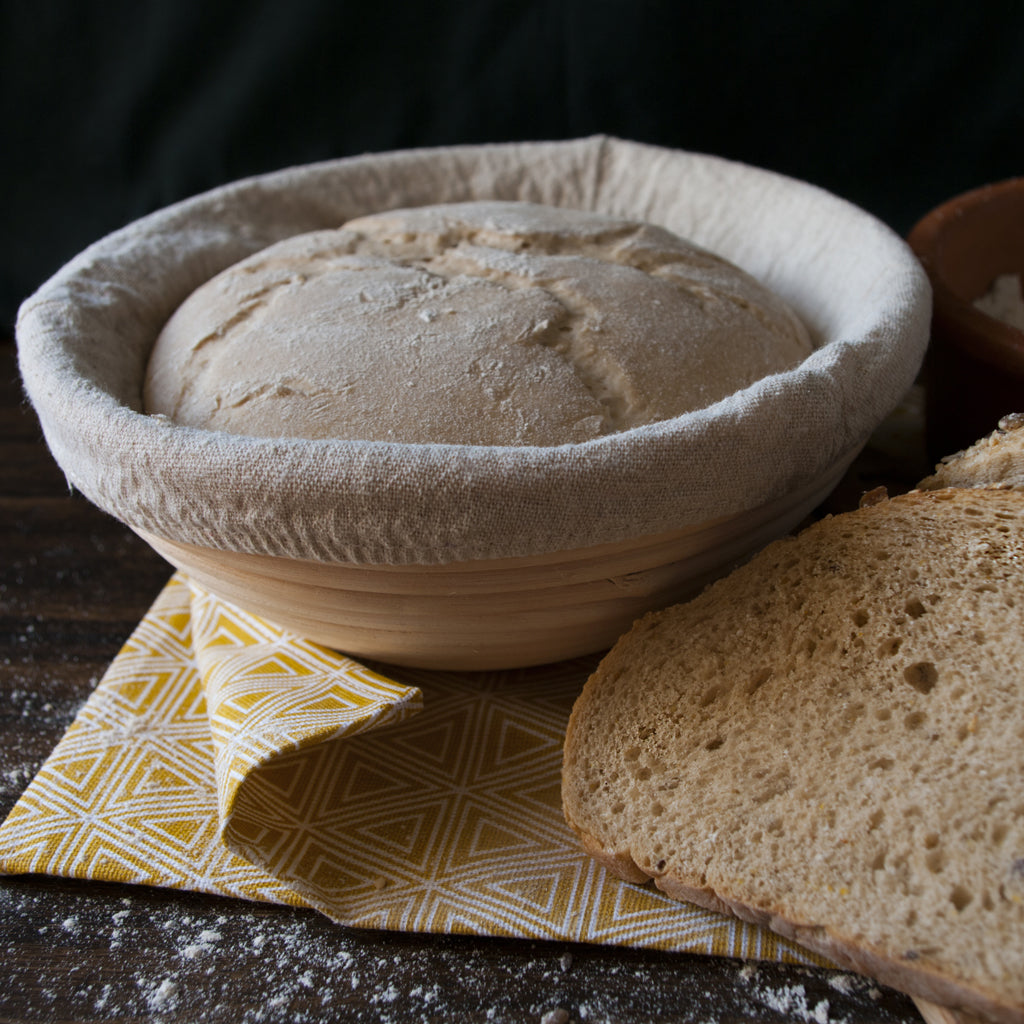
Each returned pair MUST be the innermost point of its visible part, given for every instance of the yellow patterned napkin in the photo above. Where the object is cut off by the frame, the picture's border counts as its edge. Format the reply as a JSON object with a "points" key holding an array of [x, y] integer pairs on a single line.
{"points": [[222, 755]]}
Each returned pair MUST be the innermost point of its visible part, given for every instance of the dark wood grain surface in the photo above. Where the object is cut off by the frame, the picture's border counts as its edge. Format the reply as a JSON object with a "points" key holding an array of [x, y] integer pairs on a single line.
{"points": [[73, 584]]}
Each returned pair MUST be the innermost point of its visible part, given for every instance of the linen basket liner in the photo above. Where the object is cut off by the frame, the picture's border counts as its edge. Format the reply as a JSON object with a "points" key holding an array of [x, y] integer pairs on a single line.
{"points": [[85, 336]]}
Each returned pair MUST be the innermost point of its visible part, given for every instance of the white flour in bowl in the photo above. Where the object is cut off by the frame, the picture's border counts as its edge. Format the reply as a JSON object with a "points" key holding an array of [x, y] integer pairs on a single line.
{"points": [[1003, 301]]}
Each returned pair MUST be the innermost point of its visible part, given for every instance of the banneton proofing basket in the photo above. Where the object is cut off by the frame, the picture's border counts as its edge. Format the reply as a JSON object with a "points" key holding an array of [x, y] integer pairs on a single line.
{"points": [[472, 557]]}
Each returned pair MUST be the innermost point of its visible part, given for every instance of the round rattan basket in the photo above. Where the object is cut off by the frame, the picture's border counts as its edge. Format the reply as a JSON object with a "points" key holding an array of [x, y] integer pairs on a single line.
{"points": [[472, 557]]}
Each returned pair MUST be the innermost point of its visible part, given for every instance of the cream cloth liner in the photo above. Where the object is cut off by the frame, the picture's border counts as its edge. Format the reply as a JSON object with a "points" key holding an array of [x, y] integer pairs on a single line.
{"points": [[84, 338]]}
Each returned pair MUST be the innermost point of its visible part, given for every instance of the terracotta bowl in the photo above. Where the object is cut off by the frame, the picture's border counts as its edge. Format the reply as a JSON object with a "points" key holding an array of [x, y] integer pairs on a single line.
{"points": [[461, 557], [974, 371]]}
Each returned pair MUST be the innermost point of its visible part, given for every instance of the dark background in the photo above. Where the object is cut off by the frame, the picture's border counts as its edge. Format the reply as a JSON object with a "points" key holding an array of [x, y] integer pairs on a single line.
{"points": [[111, 110]]}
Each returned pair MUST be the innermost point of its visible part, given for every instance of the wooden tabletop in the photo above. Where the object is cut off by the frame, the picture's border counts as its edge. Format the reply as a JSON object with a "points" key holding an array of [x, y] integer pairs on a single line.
{"points": [[73, 585]]}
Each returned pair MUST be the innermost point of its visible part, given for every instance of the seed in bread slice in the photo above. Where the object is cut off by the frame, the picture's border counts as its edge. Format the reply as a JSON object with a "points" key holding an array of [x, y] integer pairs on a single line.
{"points": [[830, 743]]}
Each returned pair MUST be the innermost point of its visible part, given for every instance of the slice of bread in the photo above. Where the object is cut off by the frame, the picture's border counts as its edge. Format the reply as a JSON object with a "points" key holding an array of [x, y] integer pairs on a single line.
{"points": [[995, 461], [830, 742]]}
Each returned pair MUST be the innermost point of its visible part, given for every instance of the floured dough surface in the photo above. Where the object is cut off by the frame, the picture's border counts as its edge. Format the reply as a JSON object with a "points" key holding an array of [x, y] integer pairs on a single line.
{"points": [[489, 323]]}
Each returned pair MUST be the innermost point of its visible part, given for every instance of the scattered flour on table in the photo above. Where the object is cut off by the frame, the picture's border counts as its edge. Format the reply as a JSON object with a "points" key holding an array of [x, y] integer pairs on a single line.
{"points": [[17, 777], [204, 944], [45, 719], [162, 995], [258, 965], [793, 1001], [848, 984]]}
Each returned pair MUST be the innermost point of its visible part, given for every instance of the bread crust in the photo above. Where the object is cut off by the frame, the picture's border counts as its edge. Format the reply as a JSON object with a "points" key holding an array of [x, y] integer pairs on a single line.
{"points": [[997, 460], [904, 976]]}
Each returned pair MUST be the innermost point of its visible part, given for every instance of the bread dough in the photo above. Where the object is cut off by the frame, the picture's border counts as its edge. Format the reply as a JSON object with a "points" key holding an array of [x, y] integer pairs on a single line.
{"points": [[487, 323]]}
